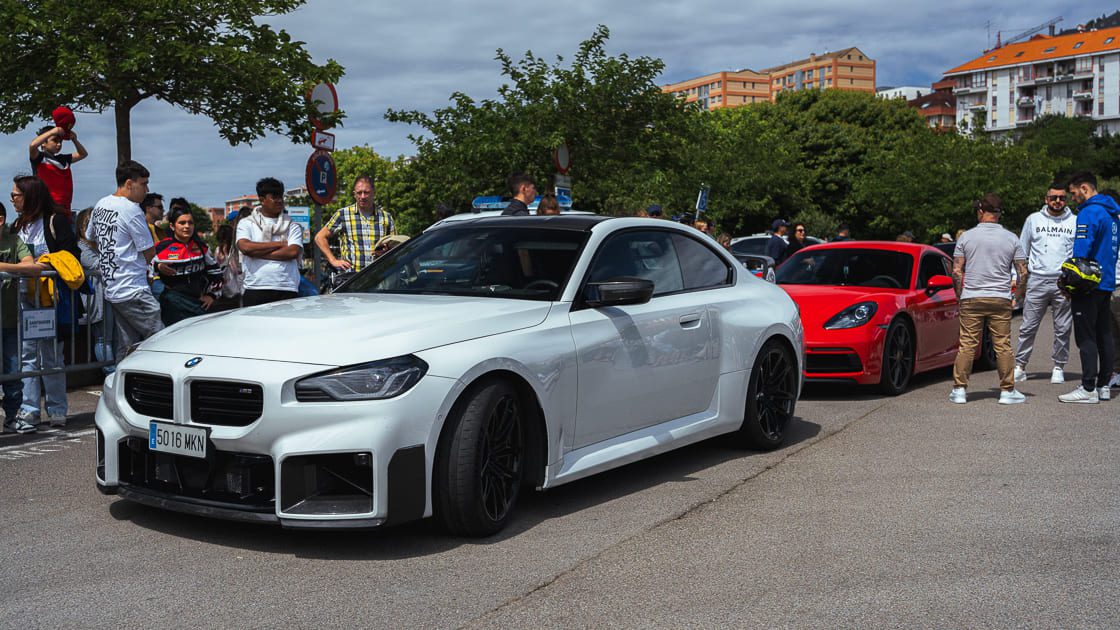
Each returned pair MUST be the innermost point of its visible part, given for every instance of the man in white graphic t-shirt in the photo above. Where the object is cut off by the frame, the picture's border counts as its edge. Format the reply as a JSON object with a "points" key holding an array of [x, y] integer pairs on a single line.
{"points": [[272, 245], [126, 248]]}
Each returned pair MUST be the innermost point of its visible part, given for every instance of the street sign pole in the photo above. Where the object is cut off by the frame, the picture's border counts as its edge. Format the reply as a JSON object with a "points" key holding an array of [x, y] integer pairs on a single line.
{"points": [[316, 255], [702, 201], [321, 177]]}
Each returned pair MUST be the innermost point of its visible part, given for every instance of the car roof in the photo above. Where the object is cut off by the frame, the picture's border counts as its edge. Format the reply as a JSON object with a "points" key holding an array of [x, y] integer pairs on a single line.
{"points": [[582, 221], [892, 246]]}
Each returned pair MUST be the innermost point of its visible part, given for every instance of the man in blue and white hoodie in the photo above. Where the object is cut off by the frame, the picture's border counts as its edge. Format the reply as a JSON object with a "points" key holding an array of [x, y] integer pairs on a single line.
{"points": [[1097, 238], [1047, 240]]}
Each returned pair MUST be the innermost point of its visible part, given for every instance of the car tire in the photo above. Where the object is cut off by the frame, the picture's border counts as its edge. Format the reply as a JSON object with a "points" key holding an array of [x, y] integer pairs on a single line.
{"points": [[771, 397], [898, 359], [480, 465]]}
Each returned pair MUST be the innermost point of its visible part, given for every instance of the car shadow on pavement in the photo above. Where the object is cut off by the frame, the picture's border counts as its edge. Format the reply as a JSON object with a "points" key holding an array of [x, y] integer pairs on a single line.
{"points": [[426, 537]]}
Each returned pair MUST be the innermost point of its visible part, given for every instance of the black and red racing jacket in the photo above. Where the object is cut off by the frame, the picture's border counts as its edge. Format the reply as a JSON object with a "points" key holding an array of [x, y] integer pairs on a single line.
{"points": [[196, 271]]}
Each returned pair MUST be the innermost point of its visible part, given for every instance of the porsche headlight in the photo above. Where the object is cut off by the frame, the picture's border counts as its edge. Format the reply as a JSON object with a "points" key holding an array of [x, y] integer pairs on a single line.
{"points": [[367, 381], [854, 316]]}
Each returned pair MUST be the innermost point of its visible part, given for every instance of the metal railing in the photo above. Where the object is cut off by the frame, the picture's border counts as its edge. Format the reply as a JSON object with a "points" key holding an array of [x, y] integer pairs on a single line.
{"points": [[86, 324]]}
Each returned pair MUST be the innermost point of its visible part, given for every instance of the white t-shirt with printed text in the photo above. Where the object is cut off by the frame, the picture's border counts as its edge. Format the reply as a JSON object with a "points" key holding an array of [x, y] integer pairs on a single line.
{"points": [[274, 275], [121, 232]]}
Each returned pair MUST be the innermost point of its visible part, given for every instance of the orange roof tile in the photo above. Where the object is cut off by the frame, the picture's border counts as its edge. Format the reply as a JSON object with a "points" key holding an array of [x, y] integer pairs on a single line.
{"points": [[1044, 48]]}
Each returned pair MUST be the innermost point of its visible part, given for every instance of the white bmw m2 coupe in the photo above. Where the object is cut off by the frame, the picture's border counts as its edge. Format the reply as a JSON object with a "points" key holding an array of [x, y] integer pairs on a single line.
{"points": [[483, 358]]}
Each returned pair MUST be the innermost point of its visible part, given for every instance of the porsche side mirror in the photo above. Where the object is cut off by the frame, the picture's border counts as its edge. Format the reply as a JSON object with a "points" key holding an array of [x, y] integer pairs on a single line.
{"points": [[618, 292], [939, 283]]}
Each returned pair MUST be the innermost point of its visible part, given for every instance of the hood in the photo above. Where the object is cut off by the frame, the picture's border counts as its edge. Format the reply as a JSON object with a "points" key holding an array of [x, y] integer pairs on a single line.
{"points": [[1106, 203], [820, 303], [1067, 213], [347, 328]]}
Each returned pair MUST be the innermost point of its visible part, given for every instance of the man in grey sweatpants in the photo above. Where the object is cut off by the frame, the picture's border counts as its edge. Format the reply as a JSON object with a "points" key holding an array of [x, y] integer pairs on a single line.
{"points": [[1047, 241]]}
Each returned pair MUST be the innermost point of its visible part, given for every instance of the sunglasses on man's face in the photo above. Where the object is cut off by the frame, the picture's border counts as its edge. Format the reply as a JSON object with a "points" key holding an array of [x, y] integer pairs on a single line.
{"points": [[1056, 198]]}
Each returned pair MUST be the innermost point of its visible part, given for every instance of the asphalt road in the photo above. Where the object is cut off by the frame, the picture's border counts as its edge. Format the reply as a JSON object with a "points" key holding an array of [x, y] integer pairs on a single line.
{"points": [[881, 512]]}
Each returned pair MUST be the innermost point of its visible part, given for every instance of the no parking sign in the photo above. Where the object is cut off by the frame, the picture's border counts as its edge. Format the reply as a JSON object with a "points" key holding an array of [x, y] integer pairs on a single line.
{"points": [[322, 183]]}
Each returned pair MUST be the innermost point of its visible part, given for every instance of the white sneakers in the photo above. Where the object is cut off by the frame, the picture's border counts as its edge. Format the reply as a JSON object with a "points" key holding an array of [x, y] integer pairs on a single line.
{"points": [[1081, 395], [1011, 397], [1057, 376], [1104, 393], [1115, 380]]}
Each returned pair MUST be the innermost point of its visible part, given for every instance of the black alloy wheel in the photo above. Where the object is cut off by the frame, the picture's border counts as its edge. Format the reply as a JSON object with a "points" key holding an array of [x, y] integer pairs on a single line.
{"points": [[898, 359], [479, 467], [771, 397], [500, 458]]}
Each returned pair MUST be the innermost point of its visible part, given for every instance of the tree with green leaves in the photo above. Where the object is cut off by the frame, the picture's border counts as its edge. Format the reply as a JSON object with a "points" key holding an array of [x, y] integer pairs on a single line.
{"points": [[207, 57], [628, 140]]}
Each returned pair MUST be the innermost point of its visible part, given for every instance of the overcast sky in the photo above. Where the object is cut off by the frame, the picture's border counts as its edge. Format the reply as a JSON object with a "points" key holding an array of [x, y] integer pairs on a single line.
{"points": [[413, 55]]}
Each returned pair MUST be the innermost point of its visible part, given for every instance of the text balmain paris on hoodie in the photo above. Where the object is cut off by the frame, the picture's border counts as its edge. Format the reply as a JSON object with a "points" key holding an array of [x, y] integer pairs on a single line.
{"points": [[1047, 241]]}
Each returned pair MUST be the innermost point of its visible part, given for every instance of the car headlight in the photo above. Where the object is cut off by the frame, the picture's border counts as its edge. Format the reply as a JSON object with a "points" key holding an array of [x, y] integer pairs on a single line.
{"points": [[853, 316], [367, 381]]}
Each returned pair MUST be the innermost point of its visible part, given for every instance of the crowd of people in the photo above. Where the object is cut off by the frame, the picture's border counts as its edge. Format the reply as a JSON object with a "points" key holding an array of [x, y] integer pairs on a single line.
{"points": [[121, 257], [149, 275], [1063, 263]]}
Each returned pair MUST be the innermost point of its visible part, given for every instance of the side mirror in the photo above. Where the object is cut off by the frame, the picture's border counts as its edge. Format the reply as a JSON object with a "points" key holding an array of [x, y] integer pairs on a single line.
{"points": [[618, 292], [939, 283]]}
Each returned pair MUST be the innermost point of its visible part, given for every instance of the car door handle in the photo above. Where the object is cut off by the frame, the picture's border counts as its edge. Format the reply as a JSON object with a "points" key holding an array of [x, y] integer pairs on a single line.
{"points": [[690, 321]]}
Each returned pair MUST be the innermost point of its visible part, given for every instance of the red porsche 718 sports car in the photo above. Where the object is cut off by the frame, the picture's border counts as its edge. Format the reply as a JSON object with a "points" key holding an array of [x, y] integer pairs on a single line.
{"points": [[874, 312]]}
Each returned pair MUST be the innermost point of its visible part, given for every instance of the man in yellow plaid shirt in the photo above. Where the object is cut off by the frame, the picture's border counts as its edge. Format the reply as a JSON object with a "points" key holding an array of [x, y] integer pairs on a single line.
{"points": [[359, 228]]}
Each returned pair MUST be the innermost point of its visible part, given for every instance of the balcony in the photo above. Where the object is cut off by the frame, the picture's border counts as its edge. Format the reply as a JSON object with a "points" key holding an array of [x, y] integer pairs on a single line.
{"points": [[972, 89], [1026, 101], [979, 107], [1083, 95]]}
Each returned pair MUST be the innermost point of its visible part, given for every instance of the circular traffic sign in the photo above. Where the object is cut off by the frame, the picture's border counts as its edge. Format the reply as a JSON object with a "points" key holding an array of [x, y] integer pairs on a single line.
{"points": [[322, 183], [325, 100], [562, 158]]}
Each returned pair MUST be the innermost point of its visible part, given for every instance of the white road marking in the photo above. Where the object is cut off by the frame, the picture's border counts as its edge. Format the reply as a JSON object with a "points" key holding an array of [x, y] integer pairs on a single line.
{"points": [[57, 441]]}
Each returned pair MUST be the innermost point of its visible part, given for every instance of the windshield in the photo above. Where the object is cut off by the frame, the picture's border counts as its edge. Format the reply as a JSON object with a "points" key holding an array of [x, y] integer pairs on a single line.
{"points": [[848, 267], [520, 263]]}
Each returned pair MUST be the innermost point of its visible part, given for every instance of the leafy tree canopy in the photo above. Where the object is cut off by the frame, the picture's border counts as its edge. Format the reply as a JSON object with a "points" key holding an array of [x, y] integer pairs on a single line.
{"points": [[209, 57], [627, 138]]}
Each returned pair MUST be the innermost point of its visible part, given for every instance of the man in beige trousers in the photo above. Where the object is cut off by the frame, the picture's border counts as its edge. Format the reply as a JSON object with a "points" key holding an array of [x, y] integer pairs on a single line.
{"points": [[982, 264]]}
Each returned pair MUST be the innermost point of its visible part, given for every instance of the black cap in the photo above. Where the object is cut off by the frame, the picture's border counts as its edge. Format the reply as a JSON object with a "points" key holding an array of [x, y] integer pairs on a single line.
{"points": [[779, 223], [653, 210]]}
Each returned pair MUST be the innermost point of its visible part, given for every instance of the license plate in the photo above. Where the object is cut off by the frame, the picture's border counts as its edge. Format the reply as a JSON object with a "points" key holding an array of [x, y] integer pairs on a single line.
{"points": [[177, 439]]}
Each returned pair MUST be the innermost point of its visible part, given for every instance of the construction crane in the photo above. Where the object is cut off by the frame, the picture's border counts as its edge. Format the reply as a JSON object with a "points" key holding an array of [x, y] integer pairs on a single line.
{"points": [[1027, 33]]}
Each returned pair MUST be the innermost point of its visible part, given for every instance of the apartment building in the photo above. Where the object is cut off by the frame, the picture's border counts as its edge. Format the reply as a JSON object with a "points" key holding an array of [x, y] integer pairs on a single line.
{"points": [[1076, 74], [723, 89], [938, 107], [848, 69]]}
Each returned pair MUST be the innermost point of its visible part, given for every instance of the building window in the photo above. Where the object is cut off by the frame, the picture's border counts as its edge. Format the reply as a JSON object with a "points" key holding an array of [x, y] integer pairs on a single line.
{"points": [[1109, 40], [1078, 45], [1019, 54], [1050, 50], [861, 57], [992, 58], [1100, 108]]}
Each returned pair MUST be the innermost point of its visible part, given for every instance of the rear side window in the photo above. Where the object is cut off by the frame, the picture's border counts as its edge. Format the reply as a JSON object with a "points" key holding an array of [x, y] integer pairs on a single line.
{"points": [[702, 268]]}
